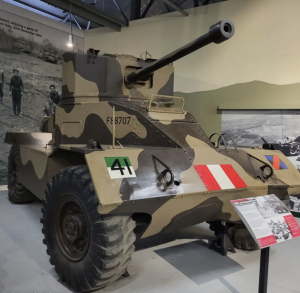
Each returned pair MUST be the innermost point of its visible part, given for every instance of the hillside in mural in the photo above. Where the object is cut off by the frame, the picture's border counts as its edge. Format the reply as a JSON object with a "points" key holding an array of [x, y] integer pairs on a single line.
{"points": [[205, 105], [248, 127], [250, 94], [246, 111], [247, 108], [189, 85]]}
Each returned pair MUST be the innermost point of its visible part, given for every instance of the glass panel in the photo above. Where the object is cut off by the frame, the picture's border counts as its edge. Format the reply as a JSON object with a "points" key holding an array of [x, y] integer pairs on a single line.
{"points": [[168, 104]]}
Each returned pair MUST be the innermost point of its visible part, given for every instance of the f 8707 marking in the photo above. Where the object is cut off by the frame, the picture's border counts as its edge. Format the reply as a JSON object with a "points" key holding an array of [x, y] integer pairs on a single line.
{"points": [[118, 120]]}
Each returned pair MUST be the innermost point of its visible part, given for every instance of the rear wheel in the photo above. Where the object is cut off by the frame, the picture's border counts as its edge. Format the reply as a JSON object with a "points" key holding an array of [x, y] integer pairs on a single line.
{"points": [[88, 250], [241, 237], [17, 193], [238, 234]]}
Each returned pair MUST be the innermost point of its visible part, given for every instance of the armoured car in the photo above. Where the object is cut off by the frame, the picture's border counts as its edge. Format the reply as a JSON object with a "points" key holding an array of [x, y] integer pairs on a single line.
{"points": [[121, 159], [20, 46], [38, 54], [50, 56], [290, 146], [17, 46]]}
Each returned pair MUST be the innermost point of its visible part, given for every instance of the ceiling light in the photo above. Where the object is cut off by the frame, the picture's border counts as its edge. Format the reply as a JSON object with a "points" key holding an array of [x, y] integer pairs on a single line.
{"points": [[70, 43]]}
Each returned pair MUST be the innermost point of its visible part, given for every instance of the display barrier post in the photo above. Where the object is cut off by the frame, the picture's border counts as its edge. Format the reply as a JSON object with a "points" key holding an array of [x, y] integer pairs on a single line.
{"points": [[263, 271]]}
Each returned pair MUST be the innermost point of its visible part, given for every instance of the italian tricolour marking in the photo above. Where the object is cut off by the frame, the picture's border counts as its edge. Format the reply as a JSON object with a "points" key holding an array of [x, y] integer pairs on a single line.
{"points": [[216, 177], [119, 167]]}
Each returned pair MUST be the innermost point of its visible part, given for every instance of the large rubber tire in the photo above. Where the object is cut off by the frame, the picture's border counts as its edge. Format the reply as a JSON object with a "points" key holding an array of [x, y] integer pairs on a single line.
{"points": [[241, 238], [238, 234], [17, 193], [109, 238]]}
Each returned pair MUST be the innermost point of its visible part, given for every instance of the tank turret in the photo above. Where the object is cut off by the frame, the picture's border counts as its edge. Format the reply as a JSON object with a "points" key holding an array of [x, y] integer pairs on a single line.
{"points": [[94, 84], [92, 75]]}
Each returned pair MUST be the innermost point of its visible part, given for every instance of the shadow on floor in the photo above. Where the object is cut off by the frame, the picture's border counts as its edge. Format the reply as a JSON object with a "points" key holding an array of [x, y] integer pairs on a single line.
{"points": [[197, 232], [199, 263]]}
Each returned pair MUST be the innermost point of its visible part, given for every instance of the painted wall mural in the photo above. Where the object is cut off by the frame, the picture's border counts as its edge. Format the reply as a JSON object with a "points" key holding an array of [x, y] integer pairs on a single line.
{"points": [[30, 62], [252, 127]]}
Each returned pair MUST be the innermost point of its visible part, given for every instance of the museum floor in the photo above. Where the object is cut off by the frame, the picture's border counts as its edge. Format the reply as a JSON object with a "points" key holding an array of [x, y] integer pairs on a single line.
{"points": [[177, 262]]}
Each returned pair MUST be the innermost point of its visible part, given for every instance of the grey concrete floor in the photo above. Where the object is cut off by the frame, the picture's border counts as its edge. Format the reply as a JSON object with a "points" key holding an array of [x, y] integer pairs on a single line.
{"points": [[176, 262]]}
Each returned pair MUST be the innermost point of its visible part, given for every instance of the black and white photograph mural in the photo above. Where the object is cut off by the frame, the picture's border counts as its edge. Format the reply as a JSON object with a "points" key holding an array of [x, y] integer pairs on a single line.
{"points": [[30, 74], [254, 127]]}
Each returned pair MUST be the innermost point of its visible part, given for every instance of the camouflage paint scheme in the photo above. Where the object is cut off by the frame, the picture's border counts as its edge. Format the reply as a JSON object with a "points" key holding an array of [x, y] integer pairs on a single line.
{"points": [[93, 92]]}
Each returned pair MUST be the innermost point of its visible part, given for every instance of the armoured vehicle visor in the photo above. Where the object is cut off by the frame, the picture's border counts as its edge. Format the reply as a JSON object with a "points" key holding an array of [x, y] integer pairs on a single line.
{"points": [[166, 104]]}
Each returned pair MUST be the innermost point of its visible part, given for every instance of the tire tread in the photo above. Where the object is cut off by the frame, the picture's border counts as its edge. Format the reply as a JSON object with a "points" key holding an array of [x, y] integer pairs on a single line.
{"points": [[17, 193], [111, 237]]}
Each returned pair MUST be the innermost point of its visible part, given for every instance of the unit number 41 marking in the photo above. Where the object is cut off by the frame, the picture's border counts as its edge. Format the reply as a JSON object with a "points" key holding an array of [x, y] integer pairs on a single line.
{"points": [[119, 167]]}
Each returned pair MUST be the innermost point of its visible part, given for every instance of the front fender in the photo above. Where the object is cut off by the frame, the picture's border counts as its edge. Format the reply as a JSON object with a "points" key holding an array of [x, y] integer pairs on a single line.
{"points": [[107, 188]]}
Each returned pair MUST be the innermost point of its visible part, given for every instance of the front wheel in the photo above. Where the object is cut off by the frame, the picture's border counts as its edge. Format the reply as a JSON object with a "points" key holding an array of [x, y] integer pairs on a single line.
{"points": [[88, 250]]}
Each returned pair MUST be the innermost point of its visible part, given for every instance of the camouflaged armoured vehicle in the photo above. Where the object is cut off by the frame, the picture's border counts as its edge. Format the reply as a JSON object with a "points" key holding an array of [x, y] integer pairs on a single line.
{"points": [[122, 159], [50, 56], [289, 146], [20, 46], [38, 54], [17, 46]]}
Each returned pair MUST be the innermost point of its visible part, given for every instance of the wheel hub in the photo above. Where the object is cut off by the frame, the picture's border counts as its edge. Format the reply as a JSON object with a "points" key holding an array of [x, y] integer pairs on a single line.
{"points": [[74, 226], [71, 227]]}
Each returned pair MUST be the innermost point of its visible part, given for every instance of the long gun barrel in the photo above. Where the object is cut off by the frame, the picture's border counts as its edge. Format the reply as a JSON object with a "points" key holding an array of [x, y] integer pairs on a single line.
{"points": [[218, 33]]}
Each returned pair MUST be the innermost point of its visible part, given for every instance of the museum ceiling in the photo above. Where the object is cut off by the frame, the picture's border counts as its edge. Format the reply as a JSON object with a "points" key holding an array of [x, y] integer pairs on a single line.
{"points": [[89, 14]]}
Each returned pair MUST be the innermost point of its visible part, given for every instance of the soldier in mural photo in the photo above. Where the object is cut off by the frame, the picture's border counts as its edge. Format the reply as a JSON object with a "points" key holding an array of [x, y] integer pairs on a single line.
{"points": [[16, 90], [1, 85], [53, 100]]}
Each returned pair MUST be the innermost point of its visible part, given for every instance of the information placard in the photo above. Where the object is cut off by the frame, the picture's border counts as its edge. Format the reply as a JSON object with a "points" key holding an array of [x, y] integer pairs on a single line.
{"points": [[267, 219], [295, 205]]}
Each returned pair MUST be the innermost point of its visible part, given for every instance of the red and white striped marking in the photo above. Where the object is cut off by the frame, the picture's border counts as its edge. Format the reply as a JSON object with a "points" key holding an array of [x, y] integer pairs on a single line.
{"points": [[216, 177]]}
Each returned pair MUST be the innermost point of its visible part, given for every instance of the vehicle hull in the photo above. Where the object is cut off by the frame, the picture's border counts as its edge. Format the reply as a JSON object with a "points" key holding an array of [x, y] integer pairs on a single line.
{"points": [[189, 202]]}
